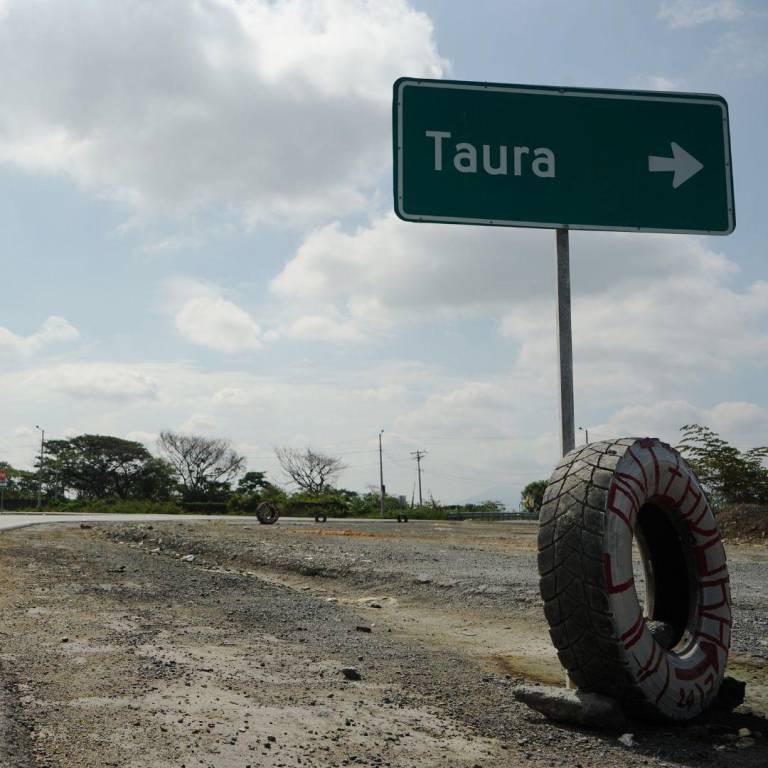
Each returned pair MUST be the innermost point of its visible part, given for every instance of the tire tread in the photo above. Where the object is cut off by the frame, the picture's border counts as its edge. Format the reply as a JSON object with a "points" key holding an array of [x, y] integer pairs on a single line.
{"points": [[572, 583]]}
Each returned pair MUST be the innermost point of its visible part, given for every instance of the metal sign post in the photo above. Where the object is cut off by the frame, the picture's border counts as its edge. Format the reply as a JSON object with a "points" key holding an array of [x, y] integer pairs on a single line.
{"points": [[565, 342]]}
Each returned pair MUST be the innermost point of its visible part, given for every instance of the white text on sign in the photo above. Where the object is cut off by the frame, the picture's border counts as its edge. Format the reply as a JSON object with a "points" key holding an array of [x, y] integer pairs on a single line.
{"points": [[495, 160]]}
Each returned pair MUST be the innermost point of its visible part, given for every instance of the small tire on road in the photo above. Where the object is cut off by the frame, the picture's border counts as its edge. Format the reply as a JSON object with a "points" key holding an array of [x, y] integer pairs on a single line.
{"points": [[666, 658], [267, 513]]}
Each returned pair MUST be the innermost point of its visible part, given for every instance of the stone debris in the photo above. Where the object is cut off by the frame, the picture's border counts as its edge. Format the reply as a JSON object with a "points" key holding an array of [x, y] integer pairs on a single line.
{"points": [[627, 739], [572, 706], [351, 673], [744, 739]]}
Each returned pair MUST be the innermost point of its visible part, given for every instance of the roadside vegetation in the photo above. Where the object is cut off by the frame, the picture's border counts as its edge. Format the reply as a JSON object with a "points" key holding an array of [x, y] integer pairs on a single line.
{"points": [[728, 475], [736, 481], [197, 475]]}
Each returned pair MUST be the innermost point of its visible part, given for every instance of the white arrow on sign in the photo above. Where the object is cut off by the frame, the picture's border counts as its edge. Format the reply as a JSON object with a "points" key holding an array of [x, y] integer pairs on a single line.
{"points": [[682, 163]]}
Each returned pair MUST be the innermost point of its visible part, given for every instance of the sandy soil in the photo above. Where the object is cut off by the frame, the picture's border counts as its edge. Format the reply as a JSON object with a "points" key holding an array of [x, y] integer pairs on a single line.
{"points": [[223, 645]]}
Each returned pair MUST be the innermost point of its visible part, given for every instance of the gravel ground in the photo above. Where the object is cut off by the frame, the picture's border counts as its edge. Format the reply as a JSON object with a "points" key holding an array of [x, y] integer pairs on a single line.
{"points": [[223, 645], [442, 562]]}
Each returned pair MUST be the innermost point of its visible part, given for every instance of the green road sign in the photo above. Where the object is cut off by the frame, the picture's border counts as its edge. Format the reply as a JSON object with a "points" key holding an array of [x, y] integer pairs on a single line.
{"points": [[534, 156]]}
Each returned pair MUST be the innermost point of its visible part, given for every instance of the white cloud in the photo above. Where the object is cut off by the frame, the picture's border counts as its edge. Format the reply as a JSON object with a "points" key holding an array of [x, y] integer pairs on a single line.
{"points": [[199, 422], [100, 381], [181, 288], [742, 423], [241, 397], [320, 328], [743, 52], [218, 324], [273, 110], [690, 13], [656, 83], [635, 344], [250, 409], [640, 301], [394, 268], [55, 330], [386, 393], [485, 436], [148, 439], [173, 244], [745, 417], [205, 318]]}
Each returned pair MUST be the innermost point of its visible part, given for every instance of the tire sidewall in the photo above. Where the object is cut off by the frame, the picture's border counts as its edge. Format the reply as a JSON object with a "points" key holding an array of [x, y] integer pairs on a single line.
{"points": [[678, 683]]}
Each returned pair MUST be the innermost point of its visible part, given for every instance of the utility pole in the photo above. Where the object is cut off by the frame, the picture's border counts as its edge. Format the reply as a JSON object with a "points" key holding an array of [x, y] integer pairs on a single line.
{"points": [[585, 430], [419, 456], [381, 477], [40, 470]]}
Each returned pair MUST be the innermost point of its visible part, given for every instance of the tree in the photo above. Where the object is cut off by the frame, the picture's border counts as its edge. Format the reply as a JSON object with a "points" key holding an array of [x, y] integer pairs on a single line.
{"points": [[156, 481], [21, 483], [95, 467], [532, 495], [491, 505], [204, 466], [311, 471], [253, 483], [727, 474]]}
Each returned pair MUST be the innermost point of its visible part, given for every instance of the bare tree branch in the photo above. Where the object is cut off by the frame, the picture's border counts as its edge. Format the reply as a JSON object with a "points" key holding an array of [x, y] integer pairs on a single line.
{"points": [[309, 470], [199, 461]]}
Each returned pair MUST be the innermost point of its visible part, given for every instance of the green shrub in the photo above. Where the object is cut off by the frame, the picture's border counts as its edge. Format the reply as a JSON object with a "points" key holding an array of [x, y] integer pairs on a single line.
{"points": [[308, 505], [20, 505], [205, 507], [426, 513], [247, 503], [120, 507]]}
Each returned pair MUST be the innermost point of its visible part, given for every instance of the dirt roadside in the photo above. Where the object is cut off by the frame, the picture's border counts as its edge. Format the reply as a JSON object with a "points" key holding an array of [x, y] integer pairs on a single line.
{"points": [[222, 645]]}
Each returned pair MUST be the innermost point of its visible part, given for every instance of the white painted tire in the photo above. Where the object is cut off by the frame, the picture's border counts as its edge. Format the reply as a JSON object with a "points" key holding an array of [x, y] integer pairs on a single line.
{"points": [[598, 500]]}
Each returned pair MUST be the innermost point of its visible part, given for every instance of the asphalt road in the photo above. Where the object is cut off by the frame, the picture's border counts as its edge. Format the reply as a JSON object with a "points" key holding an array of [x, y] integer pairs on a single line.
{"points": [[9, 521]]}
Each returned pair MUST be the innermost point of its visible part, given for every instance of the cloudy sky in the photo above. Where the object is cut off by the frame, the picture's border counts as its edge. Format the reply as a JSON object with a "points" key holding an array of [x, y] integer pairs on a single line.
{"points": [[197, 234]]}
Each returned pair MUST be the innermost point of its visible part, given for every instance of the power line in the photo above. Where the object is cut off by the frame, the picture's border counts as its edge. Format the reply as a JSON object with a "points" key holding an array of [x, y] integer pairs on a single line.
{"points": [[391, 458], [500, 475]]}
